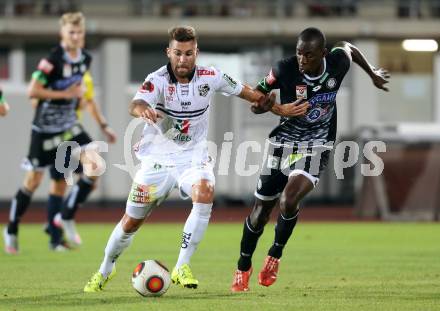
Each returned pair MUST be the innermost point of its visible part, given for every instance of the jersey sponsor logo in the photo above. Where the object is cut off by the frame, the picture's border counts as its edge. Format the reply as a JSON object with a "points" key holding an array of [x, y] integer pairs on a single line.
{"points": [[182, 126], [205, 72], [63, 84], [185, 105], [45, 66], [147, 87], [83, 68], [317, 88], [331, 83], [203, 89], [229, 80], [270, 78], [142, 194], [171, 90], [323, 98], [301, 91]]}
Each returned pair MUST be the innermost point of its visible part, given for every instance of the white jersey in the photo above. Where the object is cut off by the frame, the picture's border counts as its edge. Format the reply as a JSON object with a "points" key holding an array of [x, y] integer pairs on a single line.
{"points": [[184, 108]]}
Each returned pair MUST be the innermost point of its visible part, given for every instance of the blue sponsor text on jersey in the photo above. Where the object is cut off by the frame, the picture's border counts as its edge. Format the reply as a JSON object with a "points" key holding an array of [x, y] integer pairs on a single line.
{"points": [[324, 98], [66, 83]]}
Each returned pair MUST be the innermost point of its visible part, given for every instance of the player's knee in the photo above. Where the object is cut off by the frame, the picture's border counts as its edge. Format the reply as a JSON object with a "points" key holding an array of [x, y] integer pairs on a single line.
{"points": [[203, 192], [260, 215], [130, 224], [289, 203]]}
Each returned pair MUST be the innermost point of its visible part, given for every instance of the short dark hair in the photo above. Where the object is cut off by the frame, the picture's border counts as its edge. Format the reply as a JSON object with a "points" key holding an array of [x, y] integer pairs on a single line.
{"points": [[182, 34], [313, 34]]}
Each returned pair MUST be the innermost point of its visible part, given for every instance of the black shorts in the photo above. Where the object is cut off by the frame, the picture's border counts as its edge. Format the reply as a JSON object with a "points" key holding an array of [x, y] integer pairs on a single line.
{"points": [[283, 161], [43, 147]]}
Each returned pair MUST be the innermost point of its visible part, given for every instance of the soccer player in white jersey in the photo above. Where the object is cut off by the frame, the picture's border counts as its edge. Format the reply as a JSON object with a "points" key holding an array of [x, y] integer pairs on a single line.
{"points": [[174, 101]]}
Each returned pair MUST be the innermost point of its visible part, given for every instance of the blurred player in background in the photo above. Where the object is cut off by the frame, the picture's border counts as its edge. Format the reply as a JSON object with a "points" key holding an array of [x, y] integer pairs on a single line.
{"points": [[174, 152], [81, 190], [4, 107], [299, 150], [57, 86]]}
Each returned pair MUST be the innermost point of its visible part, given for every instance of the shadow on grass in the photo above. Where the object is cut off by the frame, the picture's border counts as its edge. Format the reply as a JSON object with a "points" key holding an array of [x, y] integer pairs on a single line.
{"points": [[79, 298]]}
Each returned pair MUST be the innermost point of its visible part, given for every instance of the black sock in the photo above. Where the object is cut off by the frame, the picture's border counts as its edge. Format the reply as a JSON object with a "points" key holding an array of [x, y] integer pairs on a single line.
{"points": [[77, 196], [53, 207], [248, 244], [283, 231], [19, 205]]}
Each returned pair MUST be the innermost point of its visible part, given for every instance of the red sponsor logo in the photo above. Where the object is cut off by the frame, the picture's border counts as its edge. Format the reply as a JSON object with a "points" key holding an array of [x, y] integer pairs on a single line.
{"points": [[45, 66], [185, 126], [301, 91], [147, 86], [270, 78], [171, 90], [205, 72]]}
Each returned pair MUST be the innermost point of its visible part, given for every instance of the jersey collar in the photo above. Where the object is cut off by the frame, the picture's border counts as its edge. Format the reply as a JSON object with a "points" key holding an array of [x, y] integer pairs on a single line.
{"points": [[317, 77], [70, 59], [173, 77]]}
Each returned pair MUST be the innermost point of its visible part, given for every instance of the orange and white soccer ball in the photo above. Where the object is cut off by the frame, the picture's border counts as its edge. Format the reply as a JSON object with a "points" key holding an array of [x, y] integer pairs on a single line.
{"points": [[151, 278]]}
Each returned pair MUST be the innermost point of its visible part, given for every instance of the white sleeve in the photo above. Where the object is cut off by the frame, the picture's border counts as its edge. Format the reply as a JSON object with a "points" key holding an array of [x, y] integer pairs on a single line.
{"points": [[149, 91], [226, 84]]}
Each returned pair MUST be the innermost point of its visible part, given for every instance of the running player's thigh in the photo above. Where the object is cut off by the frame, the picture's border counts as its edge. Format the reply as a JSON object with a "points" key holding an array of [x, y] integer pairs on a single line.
{"points": [[200, 177], [150, 187], [32, 179]]}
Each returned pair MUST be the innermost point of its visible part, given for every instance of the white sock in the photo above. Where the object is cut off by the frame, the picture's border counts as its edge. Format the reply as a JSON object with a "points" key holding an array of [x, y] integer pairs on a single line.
{"points": [[193, 231], [117, 243]]}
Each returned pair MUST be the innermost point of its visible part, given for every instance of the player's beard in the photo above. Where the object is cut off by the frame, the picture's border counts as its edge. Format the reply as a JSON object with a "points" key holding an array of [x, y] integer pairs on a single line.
{"points": [[184, 75]]}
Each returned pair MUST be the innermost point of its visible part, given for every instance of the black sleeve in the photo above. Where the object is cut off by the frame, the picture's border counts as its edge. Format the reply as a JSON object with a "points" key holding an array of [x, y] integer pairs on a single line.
{"points": [[340, 59], [270, 81]]}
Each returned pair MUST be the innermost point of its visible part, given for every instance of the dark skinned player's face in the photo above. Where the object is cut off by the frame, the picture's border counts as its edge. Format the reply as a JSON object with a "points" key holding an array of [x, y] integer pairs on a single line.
{"points": [[309, 55]]}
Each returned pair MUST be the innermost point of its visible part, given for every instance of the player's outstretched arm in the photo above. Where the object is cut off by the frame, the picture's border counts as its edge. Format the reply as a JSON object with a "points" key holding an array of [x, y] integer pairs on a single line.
{"points": [[141, 109], [379, 76]]}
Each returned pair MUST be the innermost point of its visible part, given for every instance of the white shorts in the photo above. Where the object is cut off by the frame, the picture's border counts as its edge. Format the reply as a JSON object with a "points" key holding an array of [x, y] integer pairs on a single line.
{"points": [[154, 181]]}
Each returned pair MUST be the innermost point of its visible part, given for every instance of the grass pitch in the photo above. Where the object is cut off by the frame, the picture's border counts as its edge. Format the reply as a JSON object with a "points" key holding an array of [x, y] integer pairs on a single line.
{"points": [[328, 266]]}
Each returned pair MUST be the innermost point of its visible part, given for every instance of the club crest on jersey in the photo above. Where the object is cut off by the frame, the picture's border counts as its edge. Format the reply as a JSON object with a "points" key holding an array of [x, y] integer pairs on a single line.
{"points": [[147, 86], [331, 83], [203, 89], [67, 70], [301, 91]]}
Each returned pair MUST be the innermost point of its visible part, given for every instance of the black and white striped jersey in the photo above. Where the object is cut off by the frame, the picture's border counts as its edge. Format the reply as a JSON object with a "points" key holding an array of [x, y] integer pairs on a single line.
{"points": [[319, 124], [184, 106]]}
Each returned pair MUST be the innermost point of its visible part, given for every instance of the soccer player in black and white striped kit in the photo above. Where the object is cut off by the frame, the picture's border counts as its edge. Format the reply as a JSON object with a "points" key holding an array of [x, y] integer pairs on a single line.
{"points": [[299, 146]]}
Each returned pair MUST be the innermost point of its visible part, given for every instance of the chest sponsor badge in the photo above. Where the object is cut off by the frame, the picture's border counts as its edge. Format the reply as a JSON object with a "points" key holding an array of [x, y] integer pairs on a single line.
{"points": [[301, 91]]}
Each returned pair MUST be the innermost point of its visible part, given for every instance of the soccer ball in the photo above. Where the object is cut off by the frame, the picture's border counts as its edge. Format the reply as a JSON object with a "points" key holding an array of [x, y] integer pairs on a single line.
{"points": [[151, 278]]}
